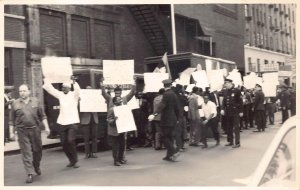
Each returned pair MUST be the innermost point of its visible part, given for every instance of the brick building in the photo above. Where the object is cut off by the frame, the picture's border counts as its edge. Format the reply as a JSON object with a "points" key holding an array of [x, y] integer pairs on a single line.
{"points": [[270, 39], [90, 33]]}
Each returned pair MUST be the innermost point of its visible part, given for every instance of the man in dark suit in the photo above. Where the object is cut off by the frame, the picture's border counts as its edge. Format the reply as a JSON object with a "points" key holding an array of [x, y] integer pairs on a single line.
{"points": [[259, 108], [232, 110], [169, 109], [285, 102]]}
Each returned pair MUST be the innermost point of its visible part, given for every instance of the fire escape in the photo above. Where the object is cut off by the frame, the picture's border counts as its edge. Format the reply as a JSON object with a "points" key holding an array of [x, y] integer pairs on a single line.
{"points": [[147, 18]]}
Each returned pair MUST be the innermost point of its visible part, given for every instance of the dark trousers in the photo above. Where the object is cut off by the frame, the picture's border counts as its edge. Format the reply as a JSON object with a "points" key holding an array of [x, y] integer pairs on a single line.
{"points": [[213, 125], [158, 134], [67, 138], [232, 123], [90, 137], [270, 112], [195, 131], [118, 146], [224, 124], [6, 128], [31, 147], [179, 135], [168, 135], [260, 119], [285, 115], [251, 115]]}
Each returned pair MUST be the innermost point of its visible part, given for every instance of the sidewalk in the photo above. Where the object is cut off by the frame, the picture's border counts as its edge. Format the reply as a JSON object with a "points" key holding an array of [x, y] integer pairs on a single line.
{"points": [[13, 146]]}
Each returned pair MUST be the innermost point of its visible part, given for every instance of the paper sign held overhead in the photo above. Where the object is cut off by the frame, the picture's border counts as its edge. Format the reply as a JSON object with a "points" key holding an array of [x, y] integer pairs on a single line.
{"points": [[91, 100], [215, 79], [190, 87], [269, 89], [125, 121], [57, 69], [153, 81], [271, 77], [236, 77], [118, 71], [201, 79], [185, 76]]}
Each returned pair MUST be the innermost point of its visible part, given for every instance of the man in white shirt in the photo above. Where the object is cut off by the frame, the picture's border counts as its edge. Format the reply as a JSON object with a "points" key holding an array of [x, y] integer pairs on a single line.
{"points": [[68, 118], [211, 120]]}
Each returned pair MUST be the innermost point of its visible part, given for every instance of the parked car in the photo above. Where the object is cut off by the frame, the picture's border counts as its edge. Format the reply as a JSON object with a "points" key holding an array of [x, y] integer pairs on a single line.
{"points": [[277, 168]]}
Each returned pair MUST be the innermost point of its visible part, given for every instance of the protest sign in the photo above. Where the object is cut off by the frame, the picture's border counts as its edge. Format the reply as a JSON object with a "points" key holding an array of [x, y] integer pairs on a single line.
{"points": [[201, 79], [190, 87], [91, 100], [153, 81], [125, 121], [236, 78], [185, 76], [215, 79], [269, 89], [57, 69], [271, 78], [133, 103], [118, 71]]}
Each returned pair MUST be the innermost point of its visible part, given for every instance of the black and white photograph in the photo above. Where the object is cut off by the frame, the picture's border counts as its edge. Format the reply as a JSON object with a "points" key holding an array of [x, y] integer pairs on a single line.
{"points": [[154, 95]]}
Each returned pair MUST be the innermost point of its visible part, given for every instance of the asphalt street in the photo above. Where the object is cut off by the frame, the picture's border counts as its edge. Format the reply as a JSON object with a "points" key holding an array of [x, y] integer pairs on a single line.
{"points": [[214, 166]]}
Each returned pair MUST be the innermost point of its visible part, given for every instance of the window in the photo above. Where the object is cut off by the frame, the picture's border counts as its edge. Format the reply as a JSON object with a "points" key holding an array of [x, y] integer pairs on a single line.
{"points": [[266, 62], [53, 31], [8, 74], [104, 39], [80, 36], [246, 10]]}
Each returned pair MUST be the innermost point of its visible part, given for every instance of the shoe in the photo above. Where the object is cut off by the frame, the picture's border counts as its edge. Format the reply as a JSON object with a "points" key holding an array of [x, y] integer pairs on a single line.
{"points": [[116, 163], [70, 165], [175, 156], [38, 171], [181, 150], [12, 139], [167, 158], [129, 148], [217, 143], [157, 148], [205, 146], [229, 144], [93, 155], [257, 130], [236, 146], [123, 161], [75, 165], [87, 156], [29, 178], [147, 145], [194, 144]]}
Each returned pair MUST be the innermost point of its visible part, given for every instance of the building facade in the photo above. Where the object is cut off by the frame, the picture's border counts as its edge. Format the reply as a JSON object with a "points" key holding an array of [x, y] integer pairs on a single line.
{"points": [[270, 39], [90, 33]]}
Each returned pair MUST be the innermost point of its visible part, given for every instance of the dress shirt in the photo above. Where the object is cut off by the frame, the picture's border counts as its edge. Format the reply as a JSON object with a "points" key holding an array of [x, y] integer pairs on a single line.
{"points": [[209, 108], [68, 104]]}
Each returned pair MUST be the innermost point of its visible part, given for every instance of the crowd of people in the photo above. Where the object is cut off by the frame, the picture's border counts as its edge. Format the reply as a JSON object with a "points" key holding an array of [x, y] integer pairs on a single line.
{"points": [[169, 119]]}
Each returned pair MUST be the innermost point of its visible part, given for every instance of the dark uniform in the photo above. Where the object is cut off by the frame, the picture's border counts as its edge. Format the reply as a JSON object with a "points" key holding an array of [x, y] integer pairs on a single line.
{"points": [[285, 101], [169, 109], [232, 106], [259, 110]]}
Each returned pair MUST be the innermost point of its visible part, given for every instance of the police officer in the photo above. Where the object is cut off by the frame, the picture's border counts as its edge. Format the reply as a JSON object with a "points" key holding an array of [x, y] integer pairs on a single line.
{"points": [[259, 108], [232, 110]]}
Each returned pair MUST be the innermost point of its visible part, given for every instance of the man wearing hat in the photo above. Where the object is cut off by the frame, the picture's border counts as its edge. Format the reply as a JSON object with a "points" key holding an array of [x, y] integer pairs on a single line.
{"points": [[232, 109], [8, 100], [68, 118], [169, 110], [284, 97], [118, 94], [259, 108]]}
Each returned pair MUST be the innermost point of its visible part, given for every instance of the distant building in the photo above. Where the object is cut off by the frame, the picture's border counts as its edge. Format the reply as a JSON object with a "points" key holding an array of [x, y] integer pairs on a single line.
{"points": [[270, 39]]}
